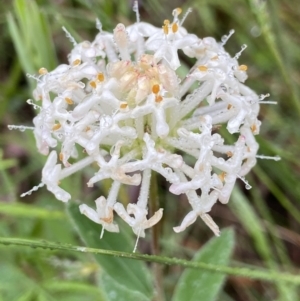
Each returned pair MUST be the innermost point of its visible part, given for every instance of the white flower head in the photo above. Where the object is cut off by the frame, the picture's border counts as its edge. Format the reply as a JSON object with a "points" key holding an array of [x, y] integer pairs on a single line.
{"points": [[121, 93]]}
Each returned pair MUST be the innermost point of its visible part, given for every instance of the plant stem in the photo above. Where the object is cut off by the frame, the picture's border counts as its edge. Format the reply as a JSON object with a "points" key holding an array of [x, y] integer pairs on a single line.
{"points": [[155, 233]]}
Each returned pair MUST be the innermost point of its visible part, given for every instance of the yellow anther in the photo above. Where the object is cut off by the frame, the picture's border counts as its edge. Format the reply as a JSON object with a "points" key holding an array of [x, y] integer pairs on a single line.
{"points": [[123, 105], [155, 89], [43, 71], [61, 156], [229, 106], [178, 11], [76, 62], [174, 27], [56, 127], [243, 67], [93, 84], [158, 98], [165, 29], [214, 58], [166, 22], [68, 100], [222, 176], [253, 128], [87, 128], [202, 68], [100, 77]]}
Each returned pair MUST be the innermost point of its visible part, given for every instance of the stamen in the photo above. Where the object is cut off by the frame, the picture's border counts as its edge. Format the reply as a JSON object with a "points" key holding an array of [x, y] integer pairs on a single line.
{"points": [[185, 16], [34, 188], [98, 25], [202, 68], [268, 102], [244, 46], [35, 106], [100, 77], [214, 58], [229, 154], [175, 27], [247, 185], [225, 38], [43, 71], [93, 84], [137, 240], [61, 156], [243, 68], [76, 62], [263, 96], [21, 128], [102, 233], [69, 101], [229, 106], [69, 36], [155, 89], [135, 8], [33, 76], [275, 158], [165, 29], [123, 105], [253, 128], [56, 127]]}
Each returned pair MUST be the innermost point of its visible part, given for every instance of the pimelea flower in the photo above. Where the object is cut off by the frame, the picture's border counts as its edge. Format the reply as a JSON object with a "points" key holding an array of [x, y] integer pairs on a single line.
{"points": [[121, 101]]}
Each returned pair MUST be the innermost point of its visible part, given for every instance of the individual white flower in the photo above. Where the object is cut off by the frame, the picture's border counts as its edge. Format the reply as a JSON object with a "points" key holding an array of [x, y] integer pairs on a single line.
{"points": [[121, 101]]}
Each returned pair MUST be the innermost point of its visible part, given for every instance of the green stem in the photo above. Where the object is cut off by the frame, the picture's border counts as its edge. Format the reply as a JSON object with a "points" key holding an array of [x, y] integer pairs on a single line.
{"points": [[259, 274], [154, 206]]}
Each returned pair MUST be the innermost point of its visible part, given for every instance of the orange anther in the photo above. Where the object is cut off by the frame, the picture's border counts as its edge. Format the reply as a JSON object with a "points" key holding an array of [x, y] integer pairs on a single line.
{"points": [[93, 84], [155, 89], [100, 77], [69, 101], [123, 105], [202, 68], [229, 106], [61, 156], [174, 27]]}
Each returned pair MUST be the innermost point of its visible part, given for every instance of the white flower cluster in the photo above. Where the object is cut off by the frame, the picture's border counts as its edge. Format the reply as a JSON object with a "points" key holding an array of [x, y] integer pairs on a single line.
{"points": [[122, 102]]}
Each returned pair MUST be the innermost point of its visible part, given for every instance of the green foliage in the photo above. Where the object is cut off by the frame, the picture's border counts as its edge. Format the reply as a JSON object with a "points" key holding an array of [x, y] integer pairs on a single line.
{"points": [[196, 285]]}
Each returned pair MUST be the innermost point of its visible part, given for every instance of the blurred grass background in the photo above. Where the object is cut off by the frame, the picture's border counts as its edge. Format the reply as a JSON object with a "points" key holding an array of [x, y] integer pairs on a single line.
{"points": [[266, 218]]}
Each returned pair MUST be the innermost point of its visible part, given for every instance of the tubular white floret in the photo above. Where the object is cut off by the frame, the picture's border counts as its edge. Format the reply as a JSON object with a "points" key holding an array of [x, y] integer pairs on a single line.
{"points": [[121, 92]]}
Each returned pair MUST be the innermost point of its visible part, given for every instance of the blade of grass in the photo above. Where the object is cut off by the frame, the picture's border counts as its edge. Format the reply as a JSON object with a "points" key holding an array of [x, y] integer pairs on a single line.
{"points": [[259, 274]]}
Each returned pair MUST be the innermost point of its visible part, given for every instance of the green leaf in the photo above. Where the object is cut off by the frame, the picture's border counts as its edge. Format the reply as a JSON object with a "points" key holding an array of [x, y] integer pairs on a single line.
{"points": [[195, 285], [127, 272], [117, 292]]}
